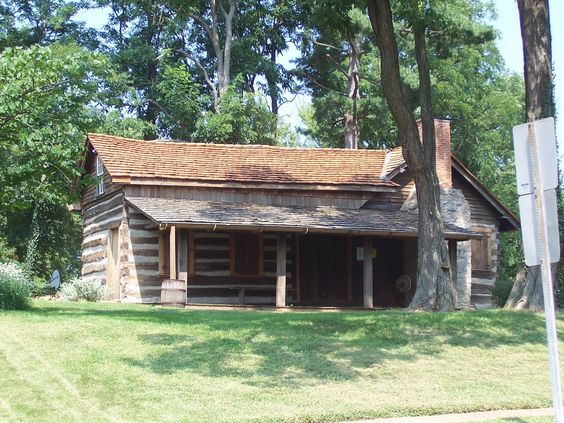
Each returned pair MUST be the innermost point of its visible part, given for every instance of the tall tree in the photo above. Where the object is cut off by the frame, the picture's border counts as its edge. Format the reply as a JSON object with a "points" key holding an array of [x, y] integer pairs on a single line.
{"points": [[46, 95], [263, 30], [136, 34], [27, 22], [214, 18], [527, 292], [331, 69], [435, 290]]}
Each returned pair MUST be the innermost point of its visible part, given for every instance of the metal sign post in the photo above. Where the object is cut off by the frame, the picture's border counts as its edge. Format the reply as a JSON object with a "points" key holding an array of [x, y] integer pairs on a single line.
{"points": [[535, 161]]}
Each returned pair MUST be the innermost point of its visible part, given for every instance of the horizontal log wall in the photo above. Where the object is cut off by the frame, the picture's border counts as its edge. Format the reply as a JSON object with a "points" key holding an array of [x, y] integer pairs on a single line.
{"points": [[90, 193], [96, 223], [482, 211], [139, 258], [352, 200], [483, 281], [212, 282]]}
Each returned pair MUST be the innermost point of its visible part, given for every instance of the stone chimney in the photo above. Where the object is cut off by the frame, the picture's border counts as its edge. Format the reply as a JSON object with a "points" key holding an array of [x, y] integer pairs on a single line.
{"points": [[442, 145]]}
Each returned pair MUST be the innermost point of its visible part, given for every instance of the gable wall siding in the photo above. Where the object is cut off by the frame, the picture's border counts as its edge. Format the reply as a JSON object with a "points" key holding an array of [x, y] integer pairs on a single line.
{"points": [[348, 200], [393, 200], [484, 219], [89, 192], [97, 220]]}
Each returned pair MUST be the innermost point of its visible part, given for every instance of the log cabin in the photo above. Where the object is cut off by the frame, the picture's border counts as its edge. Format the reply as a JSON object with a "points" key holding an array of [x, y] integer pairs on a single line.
{"points": [[263, 225]]}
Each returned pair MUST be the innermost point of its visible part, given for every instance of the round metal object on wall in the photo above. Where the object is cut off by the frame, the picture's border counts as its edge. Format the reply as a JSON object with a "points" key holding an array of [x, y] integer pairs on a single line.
{"points": [[403, 284]]}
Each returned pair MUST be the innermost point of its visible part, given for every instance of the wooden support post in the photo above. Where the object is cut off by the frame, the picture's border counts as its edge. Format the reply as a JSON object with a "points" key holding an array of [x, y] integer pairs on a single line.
{"points": [[182, 255], [281, 271], [368, 279], [298, 270], [452, 253], [172, 253], [349, 268]]}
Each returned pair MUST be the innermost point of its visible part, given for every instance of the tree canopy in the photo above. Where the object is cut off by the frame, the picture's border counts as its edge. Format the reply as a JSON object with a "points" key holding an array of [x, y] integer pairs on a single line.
{"points": [[219, 71]]}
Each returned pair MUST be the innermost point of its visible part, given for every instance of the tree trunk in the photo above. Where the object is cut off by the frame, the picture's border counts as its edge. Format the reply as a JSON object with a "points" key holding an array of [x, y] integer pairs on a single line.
{"points": [[271, 80], [435, 290], [225, 75], [222, 55], [352, 132], [539, 103]]}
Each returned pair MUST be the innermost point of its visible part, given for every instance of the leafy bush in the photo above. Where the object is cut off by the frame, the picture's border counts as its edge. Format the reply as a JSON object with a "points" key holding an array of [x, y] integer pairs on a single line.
{"points": [[82, 289], [501, 291], [14, 287]]}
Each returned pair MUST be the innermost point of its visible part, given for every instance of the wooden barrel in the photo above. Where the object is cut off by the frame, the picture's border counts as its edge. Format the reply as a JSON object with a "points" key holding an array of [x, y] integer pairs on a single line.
{"points": [[173, 293]]}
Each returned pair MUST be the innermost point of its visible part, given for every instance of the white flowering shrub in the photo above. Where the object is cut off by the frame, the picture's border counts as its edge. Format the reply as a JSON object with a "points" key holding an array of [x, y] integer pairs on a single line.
{"points": [[15, 287], [81, 289]]}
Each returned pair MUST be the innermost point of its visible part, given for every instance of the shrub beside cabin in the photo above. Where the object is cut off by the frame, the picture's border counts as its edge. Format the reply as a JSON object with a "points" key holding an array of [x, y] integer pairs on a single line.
{"points": [[272, 225]]}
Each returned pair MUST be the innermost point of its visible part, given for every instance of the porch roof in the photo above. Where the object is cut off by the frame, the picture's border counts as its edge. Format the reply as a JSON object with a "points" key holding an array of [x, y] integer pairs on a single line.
{"points": [[236, 216]]}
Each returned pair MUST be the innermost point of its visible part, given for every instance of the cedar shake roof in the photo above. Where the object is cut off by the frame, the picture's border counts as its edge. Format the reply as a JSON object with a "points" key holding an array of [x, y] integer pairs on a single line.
{"points": [[394, 159], [129, 159], [234, 216]]}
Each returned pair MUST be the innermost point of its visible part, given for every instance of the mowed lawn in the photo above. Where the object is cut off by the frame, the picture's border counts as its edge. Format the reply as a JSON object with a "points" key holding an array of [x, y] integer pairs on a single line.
{"points": [[107, 362]]}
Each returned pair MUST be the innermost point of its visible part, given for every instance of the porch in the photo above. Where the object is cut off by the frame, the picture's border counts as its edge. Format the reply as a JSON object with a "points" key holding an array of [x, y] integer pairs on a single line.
{"points": [[229, 260]]}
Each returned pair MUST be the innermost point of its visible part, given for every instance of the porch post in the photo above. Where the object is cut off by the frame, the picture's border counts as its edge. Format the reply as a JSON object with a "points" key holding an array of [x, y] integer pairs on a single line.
{"points": [[368, 280], [349, 269], [172, 264], [281, 271], [298, 277]]}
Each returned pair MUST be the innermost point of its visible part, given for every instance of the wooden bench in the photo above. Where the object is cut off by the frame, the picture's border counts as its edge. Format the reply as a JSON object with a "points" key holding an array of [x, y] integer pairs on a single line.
{"points": [[240, 288]]}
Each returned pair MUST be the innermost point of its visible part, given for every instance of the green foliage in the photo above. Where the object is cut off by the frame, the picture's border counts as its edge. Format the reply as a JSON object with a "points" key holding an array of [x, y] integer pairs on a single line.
{"points": [[113, 123], [501, 290], [45, 98], [14, 287], [46, 107], [183, 101], [81, 289], [244, 119], [25, 23]]}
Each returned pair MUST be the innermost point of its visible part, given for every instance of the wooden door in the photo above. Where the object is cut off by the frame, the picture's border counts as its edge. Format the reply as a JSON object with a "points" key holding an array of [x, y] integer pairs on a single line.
{"points": [[324, 269], [112, 275]]}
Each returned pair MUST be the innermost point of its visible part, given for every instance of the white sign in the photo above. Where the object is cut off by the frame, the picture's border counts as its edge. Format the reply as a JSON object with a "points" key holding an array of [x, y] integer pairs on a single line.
{"points": [[55, 281], [530, 224], [535, 162], [545, 141]]}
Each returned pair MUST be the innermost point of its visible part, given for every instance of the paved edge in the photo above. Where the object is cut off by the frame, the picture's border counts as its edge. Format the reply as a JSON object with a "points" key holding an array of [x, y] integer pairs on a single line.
{"points": [[465, 417]]}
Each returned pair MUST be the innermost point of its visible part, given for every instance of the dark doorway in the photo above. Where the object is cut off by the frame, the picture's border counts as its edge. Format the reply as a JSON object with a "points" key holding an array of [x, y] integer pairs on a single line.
{"points": [[324, 270], [388, 266]]}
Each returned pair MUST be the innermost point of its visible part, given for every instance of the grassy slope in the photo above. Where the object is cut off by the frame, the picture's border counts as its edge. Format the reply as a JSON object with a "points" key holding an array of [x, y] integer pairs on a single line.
{"points": [[103, 362]]}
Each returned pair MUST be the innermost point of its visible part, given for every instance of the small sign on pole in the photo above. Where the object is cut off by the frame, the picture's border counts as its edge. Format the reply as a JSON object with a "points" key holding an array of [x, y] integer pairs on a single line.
{"points": [[537, 178]]}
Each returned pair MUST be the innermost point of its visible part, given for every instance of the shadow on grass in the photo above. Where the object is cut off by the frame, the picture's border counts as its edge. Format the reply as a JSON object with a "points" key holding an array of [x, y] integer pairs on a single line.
{"points": [[272, 349]]}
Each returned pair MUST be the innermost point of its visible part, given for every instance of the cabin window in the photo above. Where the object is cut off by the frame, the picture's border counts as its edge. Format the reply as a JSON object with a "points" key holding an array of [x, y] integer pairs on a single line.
{"points": [[246, 254], [100, 175], [482, 252]]}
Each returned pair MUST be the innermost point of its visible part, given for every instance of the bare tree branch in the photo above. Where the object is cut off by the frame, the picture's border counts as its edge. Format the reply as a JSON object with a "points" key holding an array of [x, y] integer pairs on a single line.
{"points": [[204, 72], [319, 43]]}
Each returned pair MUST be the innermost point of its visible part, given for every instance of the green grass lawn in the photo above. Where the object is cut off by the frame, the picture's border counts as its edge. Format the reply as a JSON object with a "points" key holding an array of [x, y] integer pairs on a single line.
{"points": [[105, 362]]}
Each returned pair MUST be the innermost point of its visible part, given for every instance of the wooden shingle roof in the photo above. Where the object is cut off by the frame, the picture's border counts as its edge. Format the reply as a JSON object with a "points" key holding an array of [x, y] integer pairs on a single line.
{"points": [[234, 216], [128, 160]]}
